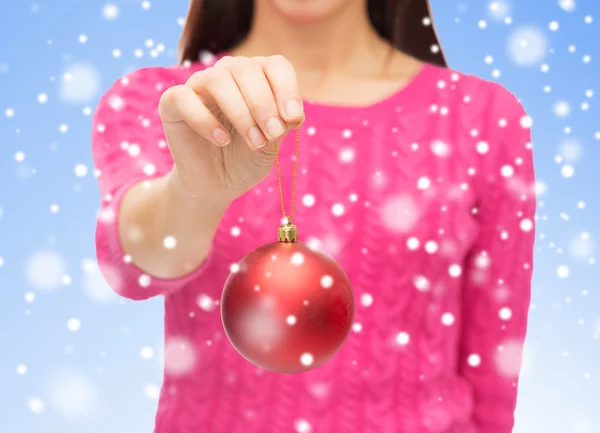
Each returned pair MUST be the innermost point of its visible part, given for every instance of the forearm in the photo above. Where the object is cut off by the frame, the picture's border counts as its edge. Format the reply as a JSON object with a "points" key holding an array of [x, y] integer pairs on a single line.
{"points": [[166, 233]]}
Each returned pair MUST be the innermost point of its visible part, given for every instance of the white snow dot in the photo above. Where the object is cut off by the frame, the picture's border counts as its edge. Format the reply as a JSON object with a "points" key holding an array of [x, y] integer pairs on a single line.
{"points": [[308, 200], [505, 313], [80, 170], [45, 270], [507, 171], [402, 338], [562, 271], [553, 26], [144, 280], [147, 353], [474, 360], [499, 10], [74, 396], [80, 84], [306, 359], [133, 149], [235, 231], [582, 247], [412, 243], [110, 12], [509, 358], [483, 147], [421, 283], [180, 356], [337, 209], [73, 325], [302, 426], [526, 122], [151, 391], [366, 299], [100, 286], [326, 281], [423, 183], [21, 369], [291, 319], [42, 98], [562, 109], [440, 148], [400, 213], [36, 405], [526, 225], [169, 242], [447, 319], [347, 155], [206, 303], [297, 259], [431, 247], [527, 46], [455, 270], [567, 171], [567, 5], [149, 169], [483, 260], [570, 150]]}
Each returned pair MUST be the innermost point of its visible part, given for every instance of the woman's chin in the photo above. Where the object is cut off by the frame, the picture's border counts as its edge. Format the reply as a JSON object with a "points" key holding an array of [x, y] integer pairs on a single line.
{"points": [[308, 10]]}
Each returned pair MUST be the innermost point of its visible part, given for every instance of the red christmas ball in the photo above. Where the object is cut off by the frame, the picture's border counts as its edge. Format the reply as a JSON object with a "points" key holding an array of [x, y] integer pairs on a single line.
{"points": [[287, 308]]}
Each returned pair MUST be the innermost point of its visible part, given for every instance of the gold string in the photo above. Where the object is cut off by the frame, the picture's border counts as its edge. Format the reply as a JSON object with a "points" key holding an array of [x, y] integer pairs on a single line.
{"points": [[289, 217]]}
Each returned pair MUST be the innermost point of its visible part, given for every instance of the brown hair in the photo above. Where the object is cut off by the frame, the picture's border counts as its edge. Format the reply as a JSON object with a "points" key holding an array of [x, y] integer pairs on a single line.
{"points": [[218, 25]]}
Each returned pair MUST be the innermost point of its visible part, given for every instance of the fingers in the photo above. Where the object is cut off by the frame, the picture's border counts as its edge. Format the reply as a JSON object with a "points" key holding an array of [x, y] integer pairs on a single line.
{"points": [[259, 96], [181, 104], [255, 88], [284, 83], [223, 89]]}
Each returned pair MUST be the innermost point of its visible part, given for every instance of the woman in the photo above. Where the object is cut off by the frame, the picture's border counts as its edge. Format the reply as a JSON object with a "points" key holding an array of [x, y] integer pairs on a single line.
{"points": [[416, 178]]}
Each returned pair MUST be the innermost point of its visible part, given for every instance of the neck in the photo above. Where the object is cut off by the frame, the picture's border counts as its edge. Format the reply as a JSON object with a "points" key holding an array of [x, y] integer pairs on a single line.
{"points": [[344, 43]]}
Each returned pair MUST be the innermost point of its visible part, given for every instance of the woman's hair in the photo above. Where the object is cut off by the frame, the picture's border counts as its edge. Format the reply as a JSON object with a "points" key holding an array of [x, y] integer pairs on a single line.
{"points": [[219, 25]]}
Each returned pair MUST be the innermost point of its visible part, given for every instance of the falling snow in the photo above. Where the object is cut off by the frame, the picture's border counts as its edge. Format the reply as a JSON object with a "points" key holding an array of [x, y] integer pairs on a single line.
{"points": [[59, 298]]}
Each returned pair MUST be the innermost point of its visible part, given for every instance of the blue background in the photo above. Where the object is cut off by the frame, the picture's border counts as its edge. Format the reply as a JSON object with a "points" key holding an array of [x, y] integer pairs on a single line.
{"points": [[108, 382]]}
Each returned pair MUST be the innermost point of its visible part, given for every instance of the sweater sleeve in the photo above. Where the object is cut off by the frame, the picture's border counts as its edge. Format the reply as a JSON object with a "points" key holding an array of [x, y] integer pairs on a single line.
{"points": [[128, 147], [497, 289]]}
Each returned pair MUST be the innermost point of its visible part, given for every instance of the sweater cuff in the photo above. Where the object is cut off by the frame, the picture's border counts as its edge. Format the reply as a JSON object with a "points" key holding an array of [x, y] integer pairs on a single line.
{"points": [[124, 277]]}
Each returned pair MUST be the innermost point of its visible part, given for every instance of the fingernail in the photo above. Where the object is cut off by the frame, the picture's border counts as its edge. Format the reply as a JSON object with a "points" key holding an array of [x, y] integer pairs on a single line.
{"points": [[221, 136], [274, 127], [257, 139], [293, 108]]}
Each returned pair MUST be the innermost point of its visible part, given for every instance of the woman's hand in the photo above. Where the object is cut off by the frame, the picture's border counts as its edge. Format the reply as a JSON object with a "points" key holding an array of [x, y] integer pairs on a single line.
{"points": [[222, 124]]}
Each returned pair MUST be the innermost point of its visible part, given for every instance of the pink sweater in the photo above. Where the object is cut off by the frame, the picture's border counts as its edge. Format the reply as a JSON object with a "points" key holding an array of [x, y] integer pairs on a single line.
{"points": [[426, 200]]}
